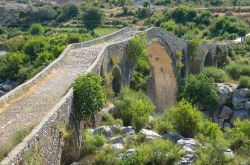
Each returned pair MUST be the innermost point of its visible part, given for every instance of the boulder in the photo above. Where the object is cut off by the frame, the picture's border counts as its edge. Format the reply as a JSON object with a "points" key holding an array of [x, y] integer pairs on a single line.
{"points": [[117, 146], [239, 114], [128, 130], [187, 142], [229, 154], [226, 113], [238, 102], [118, 139], [150, 135], [105, 130], [173, 136], [121, 156], [242, 92], [247, 105], [130, 152], [225, 93]]}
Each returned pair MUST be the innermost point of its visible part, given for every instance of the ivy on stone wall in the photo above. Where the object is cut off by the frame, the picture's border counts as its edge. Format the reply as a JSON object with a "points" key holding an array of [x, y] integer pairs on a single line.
{"points": [[89, 95], [137, 50], [193, 54]]}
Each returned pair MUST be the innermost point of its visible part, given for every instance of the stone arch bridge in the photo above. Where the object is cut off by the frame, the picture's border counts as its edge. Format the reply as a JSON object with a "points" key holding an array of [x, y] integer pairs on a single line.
{"points": [[44, 103]]}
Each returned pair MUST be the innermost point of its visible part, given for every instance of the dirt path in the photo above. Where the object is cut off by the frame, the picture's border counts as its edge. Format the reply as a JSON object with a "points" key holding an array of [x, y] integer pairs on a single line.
{"points": [[28, 109]]}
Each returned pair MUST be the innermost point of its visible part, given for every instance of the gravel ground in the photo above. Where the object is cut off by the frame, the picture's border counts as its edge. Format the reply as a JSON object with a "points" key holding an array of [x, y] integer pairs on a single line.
{"points": [[29, 109]]}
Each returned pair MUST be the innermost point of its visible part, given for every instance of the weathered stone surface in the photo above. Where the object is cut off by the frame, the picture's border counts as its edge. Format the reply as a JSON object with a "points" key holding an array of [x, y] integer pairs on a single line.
{"points": [[238, 102], [247, 105], [128, 130], [227, 125], [150, 135], [242, 92], [105, 130], [229, 154], [117, 146], [221, 122], [239, 114], [187, 141], [172, 136], [130, 152], [226, 113], [118, 139], [225, 93]]}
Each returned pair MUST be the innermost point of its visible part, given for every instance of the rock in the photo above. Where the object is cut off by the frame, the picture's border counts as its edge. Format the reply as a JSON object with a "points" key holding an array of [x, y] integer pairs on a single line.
{"points": [[6, 87], [186, 162], [221, 122], [225, 93], [227, 125], [229, 154], [130, 152], [150, 135], [239, 114], [105, 130], [242, 92], [128, 130], [247, 105], [118, 139], [75, 163], [121, 156], [187, 141], [226, 113], [238, 102], [172, 136], [117, 146], [116, 129], [2, 93], [188, 149]]}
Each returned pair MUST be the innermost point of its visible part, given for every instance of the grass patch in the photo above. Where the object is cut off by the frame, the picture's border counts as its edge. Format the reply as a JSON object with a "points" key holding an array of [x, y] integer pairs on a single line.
{"points": [[4, 150], [19, 135], [217, 74], [244, 82]]}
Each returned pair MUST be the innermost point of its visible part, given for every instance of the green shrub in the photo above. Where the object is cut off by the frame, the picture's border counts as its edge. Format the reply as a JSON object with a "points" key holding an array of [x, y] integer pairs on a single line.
{"points": [[89, 94], [237, 70], [134, 108], [137, 50], [199, 89], [193, 54], [108, 119], [218, 75], [34, 46], [19, 135], [163, 124], [90, 143], [36, 29], [157, 152], [186, 119], [73, 38], [43, 59], [244, 82], [90, 15], [108, 157], [15, 44], [212, 154]]}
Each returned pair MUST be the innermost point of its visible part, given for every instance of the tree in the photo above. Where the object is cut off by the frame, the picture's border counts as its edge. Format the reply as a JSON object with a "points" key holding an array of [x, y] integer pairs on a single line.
{"points": [[92, 18], [89, 95], [70, 10], [36, 29]]}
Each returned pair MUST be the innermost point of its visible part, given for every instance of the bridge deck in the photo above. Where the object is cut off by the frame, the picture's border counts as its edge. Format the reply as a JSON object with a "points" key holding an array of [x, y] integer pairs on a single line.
{"points": [[28, 109]]}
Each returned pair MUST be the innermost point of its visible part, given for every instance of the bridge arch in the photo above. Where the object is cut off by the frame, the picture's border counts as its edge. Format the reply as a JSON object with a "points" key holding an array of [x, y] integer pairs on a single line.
{"points": [[163, 70], [209, 60]]}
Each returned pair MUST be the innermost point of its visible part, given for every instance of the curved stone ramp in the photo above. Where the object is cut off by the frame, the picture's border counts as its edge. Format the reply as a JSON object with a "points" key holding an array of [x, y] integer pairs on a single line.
{"points": [[26, 105]]}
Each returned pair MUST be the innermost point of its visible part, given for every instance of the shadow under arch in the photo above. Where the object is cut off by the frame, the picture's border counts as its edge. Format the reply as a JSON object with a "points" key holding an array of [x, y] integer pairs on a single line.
{"points": [[209, 61], [116, 80], [163, 69]]}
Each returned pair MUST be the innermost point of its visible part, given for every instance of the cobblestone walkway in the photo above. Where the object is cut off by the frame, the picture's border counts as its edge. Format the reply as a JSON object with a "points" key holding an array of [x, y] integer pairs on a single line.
{"points": [[28, 110]]}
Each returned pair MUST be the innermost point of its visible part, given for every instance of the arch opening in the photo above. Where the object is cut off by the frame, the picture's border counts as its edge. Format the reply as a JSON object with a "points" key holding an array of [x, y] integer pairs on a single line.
{"points": [[164, 76], [208, 59], [116, 81]]}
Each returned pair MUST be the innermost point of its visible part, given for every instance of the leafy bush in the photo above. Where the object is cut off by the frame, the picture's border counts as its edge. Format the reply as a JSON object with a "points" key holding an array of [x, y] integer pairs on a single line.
{"points": [[90, 143], [218, 75], [92, 18], [163, 124], [134, 108], [15, 44], [34, 46], [186, 119], [70, 10], [36, 29], [43, 59], [199, 89], [89, 94], [73, 38], [193, 54], [157, 152], [108, 119], [244, 82], [237, 70], [137, 50]]}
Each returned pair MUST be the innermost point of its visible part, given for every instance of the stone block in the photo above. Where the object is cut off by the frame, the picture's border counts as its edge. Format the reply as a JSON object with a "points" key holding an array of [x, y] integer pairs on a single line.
{"points": [[226, 113], [239, 114], [238, 102], [247, 105], [242, 92]]}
